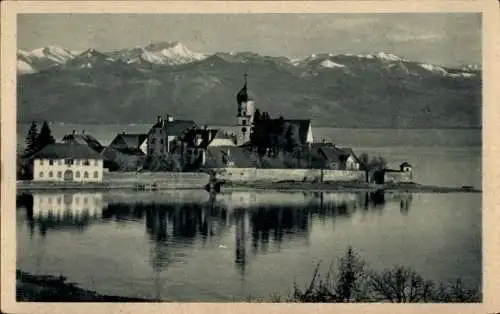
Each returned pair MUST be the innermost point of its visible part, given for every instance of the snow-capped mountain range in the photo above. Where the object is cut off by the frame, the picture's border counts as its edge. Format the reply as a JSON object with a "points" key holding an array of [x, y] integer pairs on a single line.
{"points": [[175, 53], [343, 90]]}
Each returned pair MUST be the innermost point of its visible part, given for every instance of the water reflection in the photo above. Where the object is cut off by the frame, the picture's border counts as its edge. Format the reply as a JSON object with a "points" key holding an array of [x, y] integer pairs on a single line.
{"points": [[260, 221], [58, 211]]}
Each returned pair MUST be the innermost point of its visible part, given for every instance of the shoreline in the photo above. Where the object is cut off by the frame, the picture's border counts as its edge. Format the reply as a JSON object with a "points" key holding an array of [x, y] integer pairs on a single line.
{"points": [[226, 186], [345, 187]]}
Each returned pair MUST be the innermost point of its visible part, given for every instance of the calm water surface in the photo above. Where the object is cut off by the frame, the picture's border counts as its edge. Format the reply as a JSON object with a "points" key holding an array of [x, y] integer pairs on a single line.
{"points": [[187, 245]]}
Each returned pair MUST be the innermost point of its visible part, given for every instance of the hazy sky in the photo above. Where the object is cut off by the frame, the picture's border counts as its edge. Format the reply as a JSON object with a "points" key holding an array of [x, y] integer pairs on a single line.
{"points": [[447, 39]]}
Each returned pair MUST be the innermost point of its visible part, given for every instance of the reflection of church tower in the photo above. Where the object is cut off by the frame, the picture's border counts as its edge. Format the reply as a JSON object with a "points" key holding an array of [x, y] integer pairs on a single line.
{"points": [[240, 259], [244, 116]]}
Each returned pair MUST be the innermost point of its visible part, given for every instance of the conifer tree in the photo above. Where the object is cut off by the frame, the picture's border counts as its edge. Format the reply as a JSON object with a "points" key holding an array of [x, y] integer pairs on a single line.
{"points": [[256, 131], [45, 137], [31, 138]]}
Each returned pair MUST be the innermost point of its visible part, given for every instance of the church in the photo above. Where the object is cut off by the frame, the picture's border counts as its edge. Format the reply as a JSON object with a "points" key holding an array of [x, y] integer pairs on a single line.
{"points": [[245, 120]]}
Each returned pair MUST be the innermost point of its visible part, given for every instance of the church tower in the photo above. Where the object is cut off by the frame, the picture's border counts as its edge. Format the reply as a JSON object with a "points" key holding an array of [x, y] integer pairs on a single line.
{"points": [[244, 117]]}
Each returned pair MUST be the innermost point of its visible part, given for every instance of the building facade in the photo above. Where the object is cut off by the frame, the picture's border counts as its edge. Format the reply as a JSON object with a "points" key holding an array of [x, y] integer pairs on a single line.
{"points": [[67, 162], [165, 134]]}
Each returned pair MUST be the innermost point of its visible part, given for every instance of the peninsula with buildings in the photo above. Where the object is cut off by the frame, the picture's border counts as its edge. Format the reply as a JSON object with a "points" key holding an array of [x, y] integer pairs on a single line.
{"points": [[258, 151]]}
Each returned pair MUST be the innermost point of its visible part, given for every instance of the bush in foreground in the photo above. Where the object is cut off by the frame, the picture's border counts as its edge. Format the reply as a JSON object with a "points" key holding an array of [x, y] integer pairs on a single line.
{"points": [[354, 282]]}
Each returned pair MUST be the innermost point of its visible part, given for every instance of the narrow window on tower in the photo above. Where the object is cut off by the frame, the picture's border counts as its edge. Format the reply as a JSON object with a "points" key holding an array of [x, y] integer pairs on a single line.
{"points": [[244, 122]]}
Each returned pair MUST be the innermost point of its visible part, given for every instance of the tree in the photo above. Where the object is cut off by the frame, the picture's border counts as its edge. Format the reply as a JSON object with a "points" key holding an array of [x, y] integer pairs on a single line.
{"points": [[350, 275], [31, 138], [401, 284], [364, 161], [45, 137], [291, 139], [256, 131]]}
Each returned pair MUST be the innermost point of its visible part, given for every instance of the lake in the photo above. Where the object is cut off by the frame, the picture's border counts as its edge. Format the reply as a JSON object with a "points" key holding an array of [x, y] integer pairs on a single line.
{"points": [[191, 246]]}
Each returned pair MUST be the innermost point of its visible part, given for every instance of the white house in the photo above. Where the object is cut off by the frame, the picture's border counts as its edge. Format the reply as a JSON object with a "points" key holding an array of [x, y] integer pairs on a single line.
{"points": [[68, 162]]}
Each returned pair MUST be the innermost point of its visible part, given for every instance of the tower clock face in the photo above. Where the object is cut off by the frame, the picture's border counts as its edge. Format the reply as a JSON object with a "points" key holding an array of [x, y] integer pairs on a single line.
{"points": [[244, 130]]}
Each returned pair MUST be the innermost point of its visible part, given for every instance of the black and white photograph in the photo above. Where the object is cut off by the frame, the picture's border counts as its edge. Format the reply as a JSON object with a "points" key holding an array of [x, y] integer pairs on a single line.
{"points": [[327, 157]]}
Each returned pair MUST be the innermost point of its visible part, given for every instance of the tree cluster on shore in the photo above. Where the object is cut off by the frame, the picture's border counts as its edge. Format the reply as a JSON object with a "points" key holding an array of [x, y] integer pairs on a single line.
{"points": [[35, 141], [353, 281], [272, 136]]}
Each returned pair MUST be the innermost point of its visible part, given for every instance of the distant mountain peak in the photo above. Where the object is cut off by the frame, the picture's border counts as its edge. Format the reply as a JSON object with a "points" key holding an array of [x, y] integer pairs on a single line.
{"points": [[330, 64], [91, 52], [54, 53], [387, 56]]}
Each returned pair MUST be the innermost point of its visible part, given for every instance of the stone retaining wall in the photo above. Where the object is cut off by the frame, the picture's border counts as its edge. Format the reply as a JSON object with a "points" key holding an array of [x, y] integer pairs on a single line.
{"points": [[276, 175]]}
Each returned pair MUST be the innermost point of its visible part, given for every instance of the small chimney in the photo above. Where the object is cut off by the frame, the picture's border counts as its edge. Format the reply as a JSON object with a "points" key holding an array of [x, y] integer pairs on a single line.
{"points": [[205, 127], [83, 131], [324, 141], [123, 132], [159, 119], [74, 131]]}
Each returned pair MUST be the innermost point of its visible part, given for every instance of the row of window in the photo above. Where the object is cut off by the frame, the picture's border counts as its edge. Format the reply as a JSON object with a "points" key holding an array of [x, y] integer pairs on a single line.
{"points": [[71, 162], [59, 200], [97, 200], [77, 174]]}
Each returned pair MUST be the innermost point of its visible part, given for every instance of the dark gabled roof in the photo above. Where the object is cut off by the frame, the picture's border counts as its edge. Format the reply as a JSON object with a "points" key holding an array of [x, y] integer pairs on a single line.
{"points": [[66, 150], [332, 153], [350, 152], [239, 156], [84, 139], [131, 141], [317, 145], [110, 153], [175, 127]]}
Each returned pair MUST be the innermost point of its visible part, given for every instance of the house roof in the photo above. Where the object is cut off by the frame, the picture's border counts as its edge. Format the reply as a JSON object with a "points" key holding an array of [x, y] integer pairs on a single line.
{"points": [[110, 153], [349, 152], [207, 136], [84, 139], [66, 150], [175, 127], [131, 141], [405, 164], [217, 154], [333, 153]]}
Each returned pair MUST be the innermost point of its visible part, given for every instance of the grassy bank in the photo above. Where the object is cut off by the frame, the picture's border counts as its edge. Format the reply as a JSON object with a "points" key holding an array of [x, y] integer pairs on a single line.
{"points": [[42, 288]]}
